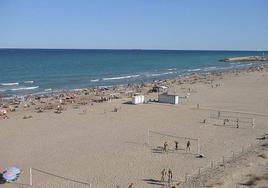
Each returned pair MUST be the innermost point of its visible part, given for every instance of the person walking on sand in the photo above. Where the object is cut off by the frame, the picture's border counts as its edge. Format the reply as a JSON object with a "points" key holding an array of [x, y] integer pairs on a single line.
{"points": [[176, 145], [237, 123], [219, 114], [188, 145], [163, 174], [165, 146], [169, 175]]}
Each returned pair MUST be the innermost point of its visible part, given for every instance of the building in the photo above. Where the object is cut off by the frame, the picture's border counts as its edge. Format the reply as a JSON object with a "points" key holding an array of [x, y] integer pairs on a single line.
{"points": [[137, 99], [167, 98], [160, 89]]}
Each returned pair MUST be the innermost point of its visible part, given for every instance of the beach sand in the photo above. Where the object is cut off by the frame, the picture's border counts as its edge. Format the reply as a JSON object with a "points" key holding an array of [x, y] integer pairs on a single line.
{"points": [[108, 148]]}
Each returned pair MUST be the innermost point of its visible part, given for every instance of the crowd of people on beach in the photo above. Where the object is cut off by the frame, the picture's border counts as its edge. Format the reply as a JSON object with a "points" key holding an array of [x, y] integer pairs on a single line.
{"points": [[55, 100]]}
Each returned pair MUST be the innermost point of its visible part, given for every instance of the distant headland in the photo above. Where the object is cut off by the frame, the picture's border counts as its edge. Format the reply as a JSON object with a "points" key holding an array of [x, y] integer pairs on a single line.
{"points": [[245, 59]]}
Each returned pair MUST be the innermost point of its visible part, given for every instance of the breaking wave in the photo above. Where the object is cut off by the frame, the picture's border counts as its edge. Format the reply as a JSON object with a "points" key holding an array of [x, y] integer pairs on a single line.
{"points": [[28, 82], [24, 88], [121, 77], [160, 74], [193, 70], [10, 84]]}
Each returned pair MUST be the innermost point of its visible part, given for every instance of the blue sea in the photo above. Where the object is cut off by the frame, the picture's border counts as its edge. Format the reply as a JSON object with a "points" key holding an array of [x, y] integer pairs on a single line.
{"points": [[40, 71]]}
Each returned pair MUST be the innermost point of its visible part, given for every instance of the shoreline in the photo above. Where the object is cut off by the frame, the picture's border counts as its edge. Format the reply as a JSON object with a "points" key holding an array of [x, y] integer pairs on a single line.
{"points": [[48, 92], [19, 89], [56, 99]]}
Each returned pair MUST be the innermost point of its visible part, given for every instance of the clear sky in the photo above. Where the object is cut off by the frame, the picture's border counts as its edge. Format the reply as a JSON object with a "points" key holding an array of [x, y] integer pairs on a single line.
{"points": [[135, 24]]}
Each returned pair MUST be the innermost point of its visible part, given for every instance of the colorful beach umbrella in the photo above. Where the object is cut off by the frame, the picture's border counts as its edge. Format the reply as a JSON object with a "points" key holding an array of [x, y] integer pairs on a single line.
{"points": [[9, 176], [13, 169]]}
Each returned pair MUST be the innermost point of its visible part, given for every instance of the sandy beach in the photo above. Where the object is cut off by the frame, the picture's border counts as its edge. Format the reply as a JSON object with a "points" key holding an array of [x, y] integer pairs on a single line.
{"points": [[93, 144]]}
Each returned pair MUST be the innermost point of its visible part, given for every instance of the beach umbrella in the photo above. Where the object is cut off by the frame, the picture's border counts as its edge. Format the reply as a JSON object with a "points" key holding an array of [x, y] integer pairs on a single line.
{"points": [[13, 169], [9, 176]]}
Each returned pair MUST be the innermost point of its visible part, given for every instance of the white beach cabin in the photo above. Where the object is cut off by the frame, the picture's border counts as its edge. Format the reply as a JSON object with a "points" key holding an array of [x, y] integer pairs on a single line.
{"points": [[167, 98], [137, 99]]}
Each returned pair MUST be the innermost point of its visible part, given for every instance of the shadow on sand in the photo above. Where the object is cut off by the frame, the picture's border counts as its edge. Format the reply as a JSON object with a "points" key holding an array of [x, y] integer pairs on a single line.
{"points": [[127, 102], [154, 182], [228, 126], [160, 150], [2, 181], [137, 143]]}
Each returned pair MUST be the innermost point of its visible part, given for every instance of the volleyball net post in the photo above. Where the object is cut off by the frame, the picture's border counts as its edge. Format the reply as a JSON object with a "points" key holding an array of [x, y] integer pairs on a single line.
{"points": [[148, 137], [31, 177]]}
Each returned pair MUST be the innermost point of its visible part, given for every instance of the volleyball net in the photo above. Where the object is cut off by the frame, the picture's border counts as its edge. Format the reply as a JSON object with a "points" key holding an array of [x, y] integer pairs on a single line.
{"points": [[157, 139]]}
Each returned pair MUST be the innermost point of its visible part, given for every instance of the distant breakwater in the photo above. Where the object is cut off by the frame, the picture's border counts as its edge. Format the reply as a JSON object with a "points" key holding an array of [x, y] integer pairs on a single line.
{"points": [[245, 59]]}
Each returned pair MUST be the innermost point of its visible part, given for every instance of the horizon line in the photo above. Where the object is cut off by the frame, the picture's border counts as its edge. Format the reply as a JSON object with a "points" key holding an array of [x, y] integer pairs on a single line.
{"points": [[129, 49]]}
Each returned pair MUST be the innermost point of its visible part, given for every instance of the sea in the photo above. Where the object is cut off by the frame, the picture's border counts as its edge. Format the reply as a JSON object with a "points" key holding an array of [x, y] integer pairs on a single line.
{"points": [[43, 71]]}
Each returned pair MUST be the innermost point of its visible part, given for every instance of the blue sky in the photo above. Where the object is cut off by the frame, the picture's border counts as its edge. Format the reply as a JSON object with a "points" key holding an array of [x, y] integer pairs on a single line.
{"points": [[135, 24]]}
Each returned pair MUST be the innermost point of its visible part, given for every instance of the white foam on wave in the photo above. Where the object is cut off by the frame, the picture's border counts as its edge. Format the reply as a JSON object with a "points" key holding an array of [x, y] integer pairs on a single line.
{"points": [[193, 70], [9, 84], [49, 89], [24, 88], [121, 77], [95, 80], [161, 74], [77, 89], [244, 65], [210, 68], [41, 93], [28, 82]]}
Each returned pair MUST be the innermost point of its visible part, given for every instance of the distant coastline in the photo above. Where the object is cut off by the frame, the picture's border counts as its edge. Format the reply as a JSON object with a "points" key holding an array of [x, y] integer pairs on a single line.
{"points": [[245, 59]]}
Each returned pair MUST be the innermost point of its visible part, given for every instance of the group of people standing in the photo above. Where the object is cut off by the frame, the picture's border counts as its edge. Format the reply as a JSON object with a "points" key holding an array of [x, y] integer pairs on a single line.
{"points": [[227, 120], [188, 146], [167, 174]]}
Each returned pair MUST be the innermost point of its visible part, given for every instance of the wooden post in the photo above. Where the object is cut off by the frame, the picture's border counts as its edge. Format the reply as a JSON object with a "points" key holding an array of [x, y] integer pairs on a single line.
{"points": [[198, 146], [185, 177], [233, 155], [31, 177], [199, 171], [148, 136]]}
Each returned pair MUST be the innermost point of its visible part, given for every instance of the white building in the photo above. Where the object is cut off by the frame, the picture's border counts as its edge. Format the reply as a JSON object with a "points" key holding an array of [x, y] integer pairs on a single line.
{"points": [[167, 98], [137, 99], [160, 89]]}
